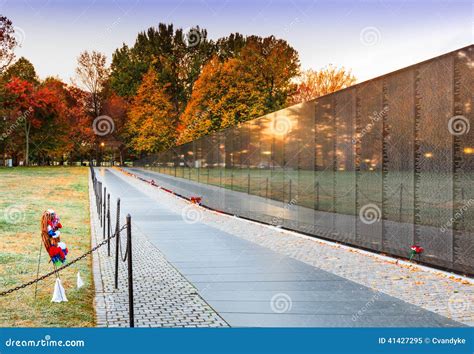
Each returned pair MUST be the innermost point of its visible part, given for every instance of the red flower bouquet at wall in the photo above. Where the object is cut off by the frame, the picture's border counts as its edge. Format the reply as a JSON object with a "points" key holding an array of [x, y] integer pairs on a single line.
{"points": [[195, 200], [415, 250]]}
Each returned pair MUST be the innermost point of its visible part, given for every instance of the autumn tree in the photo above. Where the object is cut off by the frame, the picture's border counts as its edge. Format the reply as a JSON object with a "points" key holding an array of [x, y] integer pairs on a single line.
{"points": [[28, 105], [92, 72], [224, 95], [66, 132], [312, 84], [22, 69], [230, 46], [49, 138], [117, 107], [152, 118], [255, 82], [8, 42], [275, 64], [127, 70], [176, 55], [80, 134]]}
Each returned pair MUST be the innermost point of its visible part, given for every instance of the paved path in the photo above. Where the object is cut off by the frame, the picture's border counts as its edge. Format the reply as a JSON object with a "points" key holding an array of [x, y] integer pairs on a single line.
{"points": [[163, 297], [251, 285]]}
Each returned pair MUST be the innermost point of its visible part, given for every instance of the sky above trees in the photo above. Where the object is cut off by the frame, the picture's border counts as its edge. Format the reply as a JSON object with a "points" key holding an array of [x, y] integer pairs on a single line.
{"points": [[371, 37]]}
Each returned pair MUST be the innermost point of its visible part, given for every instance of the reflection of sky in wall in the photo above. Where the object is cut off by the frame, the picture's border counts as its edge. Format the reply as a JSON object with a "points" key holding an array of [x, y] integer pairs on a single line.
{"points": [[371, 37]]}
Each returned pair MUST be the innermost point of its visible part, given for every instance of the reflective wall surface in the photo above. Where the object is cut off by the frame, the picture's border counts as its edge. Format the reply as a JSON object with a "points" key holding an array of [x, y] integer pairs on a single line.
{"points": [[384, 165]]}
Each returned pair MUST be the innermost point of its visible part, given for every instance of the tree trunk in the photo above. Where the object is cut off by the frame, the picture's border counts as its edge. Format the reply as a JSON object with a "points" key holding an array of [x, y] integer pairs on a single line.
{"points": [[121, 156], [27, 142]]}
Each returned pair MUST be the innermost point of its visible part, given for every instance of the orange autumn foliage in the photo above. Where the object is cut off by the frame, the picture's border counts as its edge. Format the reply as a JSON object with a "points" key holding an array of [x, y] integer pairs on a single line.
{"points": [[152, 119]]}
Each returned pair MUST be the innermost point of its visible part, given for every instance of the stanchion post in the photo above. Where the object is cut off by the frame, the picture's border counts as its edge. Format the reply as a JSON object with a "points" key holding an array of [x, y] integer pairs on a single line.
{"points": [[117, 243], [105, 213], [108, 224], [130, 270], [99, 204]]}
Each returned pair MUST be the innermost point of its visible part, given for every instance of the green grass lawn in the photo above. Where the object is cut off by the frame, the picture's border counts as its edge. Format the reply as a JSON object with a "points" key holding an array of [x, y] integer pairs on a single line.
{"points": [[25, 194]]}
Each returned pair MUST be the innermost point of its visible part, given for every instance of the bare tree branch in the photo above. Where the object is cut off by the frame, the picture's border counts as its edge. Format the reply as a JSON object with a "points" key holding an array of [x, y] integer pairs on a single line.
{"points": [[92, 72]]}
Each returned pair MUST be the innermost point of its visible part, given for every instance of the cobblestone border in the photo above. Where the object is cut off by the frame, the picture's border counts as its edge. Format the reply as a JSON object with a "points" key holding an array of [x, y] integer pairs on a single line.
{"points": [[162, 296]]}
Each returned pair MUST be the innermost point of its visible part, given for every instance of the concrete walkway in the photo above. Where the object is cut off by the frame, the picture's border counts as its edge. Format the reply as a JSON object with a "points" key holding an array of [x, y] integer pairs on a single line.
{"points": [[251, 285], [162, 296]]}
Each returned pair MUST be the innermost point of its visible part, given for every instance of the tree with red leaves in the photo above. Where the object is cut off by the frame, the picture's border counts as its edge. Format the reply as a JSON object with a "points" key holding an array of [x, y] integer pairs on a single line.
{"points": [[28, 105]]}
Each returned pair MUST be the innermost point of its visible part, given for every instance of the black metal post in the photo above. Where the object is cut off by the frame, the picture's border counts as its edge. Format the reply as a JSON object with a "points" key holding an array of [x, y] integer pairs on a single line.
{"points": [[99, 203], [248, 183], [130, 270], [108, 224], [105, 213], [117, 243]]}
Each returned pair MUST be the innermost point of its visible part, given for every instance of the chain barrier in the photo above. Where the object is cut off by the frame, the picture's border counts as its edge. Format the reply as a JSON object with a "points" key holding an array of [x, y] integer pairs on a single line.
{"points": [[97, 187], [22, 286]]}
